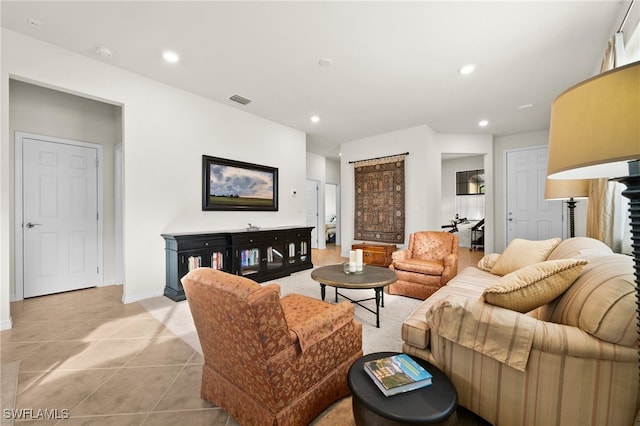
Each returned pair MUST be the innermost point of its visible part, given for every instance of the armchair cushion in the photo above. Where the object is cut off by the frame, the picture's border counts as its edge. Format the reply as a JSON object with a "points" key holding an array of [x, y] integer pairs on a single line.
{"points": [[428, 267], [520, 253], [312, 320], [535, 285]]}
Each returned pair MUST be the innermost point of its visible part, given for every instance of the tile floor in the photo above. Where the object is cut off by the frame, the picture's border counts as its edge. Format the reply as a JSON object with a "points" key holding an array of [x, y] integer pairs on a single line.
{"points": [[103, 361], [111, 364]]}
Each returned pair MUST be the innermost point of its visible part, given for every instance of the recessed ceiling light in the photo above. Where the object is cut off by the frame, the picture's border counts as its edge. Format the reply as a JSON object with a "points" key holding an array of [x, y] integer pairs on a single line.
{"points": [[525, 106], [483, 123], [170, 56], [467, 69], [315, 118]]}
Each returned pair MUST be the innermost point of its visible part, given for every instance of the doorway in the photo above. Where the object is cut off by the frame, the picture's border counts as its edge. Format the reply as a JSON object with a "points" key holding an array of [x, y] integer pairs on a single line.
{"points": [[331, 209], [529, 215], [463, 211], [313, 201], [58, 227]]}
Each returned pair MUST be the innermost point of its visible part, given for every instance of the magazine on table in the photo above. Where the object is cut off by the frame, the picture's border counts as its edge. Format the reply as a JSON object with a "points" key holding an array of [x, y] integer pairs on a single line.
{"points": [[396, 374]]}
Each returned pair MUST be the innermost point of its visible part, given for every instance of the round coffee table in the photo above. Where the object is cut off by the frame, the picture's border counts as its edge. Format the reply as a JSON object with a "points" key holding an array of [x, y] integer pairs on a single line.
{"points": [[432, 405], [372, 277]]}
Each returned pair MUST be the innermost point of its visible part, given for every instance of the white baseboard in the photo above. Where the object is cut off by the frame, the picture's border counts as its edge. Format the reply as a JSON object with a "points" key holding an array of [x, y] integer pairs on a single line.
{"points": [[6, 324], [140, 296]]}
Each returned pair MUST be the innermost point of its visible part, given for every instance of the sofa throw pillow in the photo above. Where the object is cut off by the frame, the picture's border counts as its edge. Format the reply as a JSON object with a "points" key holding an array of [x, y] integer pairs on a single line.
{"points": [[488, 261], [520, 253], [535, 285]]}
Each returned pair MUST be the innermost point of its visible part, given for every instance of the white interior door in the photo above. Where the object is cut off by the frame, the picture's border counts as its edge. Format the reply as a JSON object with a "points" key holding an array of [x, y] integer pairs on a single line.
{"points": [[312, 188], [59, 217], [529, 215]]}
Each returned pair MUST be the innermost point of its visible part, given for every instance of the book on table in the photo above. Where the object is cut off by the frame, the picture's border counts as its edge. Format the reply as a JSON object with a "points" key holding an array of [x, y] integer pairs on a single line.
{"points": [[396, 374]]}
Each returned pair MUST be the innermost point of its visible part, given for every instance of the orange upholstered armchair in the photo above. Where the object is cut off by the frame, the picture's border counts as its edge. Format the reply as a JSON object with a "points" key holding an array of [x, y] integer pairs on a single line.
{"points": [[270, 360], [428, 263]]}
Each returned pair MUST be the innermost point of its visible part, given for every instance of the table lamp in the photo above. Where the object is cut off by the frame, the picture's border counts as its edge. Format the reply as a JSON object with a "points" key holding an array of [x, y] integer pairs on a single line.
{"points": [[595, 132], [570, 190]]}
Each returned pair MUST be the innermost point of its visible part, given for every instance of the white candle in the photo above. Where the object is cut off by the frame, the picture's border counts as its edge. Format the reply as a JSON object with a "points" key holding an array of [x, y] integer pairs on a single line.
{"points": [[352, 261], [359, 264]]}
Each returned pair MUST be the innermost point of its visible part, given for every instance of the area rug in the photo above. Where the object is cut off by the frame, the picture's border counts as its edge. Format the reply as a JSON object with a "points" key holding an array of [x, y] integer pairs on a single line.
{"points": [[177, 317], [9, 379]]}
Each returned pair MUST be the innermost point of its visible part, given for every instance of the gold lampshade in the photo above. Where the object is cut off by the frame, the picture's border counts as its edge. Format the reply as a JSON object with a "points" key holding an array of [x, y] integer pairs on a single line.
{"points": [[563, 189], [595, 126]]}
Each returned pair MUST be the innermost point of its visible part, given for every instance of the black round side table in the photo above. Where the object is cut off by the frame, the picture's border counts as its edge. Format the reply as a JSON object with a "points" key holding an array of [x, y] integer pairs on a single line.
{"points": [[432, 405]]}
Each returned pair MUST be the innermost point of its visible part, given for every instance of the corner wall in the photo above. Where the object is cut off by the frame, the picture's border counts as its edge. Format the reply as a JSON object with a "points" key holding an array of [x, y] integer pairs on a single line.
{"points": [[165, 133], [422, 175]]}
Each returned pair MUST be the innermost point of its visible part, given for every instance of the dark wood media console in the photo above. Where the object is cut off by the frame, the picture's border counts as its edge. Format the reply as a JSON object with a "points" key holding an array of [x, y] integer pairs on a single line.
{"points": [[260, 255]]}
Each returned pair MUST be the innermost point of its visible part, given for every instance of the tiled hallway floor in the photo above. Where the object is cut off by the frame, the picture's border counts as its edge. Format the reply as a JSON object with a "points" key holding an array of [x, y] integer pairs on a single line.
{"points": [[103, 362]]}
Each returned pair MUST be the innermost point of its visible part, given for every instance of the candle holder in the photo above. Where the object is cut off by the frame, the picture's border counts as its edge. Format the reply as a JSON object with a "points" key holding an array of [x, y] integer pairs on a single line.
{"points": [[345, 268]]}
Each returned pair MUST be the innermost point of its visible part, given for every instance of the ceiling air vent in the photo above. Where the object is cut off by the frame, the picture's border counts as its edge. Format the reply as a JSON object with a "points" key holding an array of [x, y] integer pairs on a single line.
{"points": [[239, 99]]}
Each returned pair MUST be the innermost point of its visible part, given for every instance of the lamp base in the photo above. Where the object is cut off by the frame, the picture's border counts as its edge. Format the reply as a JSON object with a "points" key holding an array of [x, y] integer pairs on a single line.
{"points": [[571, 205], [633, 194]]}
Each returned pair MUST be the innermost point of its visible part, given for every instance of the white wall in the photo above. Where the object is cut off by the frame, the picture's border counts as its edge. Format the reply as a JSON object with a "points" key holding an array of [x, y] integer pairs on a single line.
{"points": [[330, 205], [165, 133], [422, 176], [317, 170], [323, 170], [333, 177], [6, 200], [332, 171]]}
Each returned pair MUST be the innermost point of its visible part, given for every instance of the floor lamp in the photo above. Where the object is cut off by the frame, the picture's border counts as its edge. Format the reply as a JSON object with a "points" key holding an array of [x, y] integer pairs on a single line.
{"points": [[595, 133], [569, 190]]}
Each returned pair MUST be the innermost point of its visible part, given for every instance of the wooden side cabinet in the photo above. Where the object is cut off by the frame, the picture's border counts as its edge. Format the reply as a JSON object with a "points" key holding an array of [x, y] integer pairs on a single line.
{"points": [[184, 252], [375, 254], [260, 255]]}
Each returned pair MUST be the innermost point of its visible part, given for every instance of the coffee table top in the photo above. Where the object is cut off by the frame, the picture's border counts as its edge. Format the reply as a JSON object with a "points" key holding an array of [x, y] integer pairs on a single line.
{"points": [[372, 277], [431, 404]]}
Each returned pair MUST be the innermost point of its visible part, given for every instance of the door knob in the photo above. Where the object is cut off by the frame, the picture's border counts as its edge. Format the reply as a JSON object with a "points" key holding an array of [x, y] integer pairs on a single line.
{"points": [[31, 225]]}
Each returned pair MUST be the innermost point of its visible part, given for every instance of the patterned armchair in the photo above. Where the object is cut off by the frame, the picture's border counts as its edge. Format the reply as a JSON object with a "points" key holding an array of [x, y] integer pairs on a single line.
{"points": [[428, 263], [270, 360]]}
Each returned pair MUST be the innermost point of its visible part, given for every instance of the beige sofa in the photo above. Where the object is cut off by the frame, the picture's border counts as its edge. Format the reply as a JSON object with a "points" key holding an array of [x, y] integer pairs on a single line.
{"points": [[572, 361]]}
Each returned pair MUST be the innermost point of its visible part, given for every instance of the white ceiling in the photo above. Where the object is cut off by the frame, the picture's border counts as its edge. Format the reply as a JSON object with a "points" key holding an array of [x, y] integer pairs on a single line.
{"points": [[394, 64]]}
